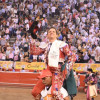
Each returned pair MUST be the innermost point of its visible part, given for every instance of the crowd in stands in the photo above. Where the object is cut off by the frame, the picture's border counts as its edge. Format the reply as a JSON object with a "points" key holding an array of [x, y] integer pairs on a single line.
{"points": [[77, 23]]}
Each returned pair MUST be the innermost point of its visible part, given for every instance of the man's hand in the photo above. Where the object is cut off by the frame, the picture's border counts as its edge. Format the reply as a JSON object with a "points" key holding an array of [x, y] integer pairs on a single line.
{"points": [[66, 98], [53, 98], [38, 97]]}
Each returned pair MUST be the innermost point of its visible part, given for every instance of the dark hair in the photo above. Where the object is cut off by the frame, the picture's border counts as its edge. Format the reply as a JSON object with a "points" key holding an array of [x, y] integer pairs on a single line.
{"points": [[90, 70], [52, 28]]}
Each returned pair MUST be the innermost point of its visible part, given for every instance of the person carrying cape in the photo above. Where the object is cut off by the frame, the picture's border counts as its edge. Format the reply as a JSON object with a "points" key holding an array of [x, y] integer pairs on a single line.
{"points": [[55, 52]]}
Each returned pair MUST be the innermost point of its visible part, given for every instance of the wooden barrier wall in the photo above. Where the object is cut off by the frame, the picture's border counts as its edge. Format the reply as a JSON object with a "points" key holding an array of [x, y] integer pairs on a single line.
{"points": [[82, 77], [17, 78], [25, 79]]}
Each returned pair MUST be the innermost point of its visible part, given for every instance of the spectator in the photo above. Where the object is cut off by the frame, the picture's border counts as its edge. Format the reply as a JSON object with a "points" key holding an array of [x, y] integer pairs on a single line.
{"points": [[13, 69], [21, 56], [11, 55], [78, 23], [1, 54], [16, 57], [46, 77]]}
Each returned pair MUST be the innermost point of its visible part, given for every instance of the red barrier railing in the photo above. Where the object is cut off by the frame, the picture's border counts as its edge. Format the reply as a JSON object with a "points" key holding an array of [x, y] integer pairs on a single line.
{"points": [[28, 79], [25, 79], [82, 77]]}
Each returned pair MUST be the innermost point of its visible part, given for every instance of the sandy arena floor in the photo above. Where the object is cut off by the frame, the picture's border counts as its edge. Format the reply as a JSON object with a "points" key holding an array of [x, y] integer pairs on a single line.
{"points": [[16, 93]]}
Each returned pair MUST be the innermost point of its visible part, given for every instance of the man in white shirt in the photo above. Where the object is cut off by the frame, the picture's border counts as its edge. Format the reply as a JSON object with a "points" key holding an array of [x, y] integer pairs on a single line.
{"points": [[52, 60], [46, 94], [53, 9], [97, 54]]}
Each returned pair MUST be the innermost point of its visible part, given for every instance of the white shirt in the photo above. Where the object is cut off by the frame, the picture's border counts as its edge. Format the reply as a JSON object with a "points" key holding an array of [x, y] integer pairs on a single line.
{"points": [[45, 92], [43, 23], [53, 9], [98, 49]]}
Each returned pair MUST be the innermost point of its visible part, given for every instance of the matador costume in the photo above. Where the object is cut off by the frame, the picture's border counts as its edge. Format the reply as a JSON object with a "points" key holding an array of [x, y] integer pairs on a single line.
{"points": [[55, 54]]}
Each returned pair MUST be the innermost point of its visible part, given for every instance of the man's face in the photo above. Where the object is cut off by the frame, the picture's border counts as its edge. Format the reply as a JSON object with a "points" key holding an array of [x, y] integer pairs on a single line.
{"points": [[88, 72], [52, 35], [47, 81]]}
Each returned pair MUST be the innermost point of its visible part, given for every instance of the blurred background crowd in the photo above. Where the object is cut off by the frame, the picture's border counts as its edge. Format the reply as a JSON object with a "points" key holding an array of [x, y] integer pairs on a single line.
{"points": [[25, 22]]}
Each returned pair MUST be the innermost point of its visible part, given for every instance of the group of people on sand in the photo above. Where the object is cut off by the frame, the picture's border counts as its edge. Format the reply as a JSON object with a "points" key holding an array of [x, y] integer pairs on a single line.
{"points": [[57, 81]]}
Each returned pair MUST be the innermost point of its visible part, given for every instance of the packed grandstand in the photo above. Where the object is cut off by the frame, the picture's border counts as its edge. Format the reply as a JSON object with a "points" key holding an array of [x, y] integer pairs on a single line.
{"points": [[24, 24]]}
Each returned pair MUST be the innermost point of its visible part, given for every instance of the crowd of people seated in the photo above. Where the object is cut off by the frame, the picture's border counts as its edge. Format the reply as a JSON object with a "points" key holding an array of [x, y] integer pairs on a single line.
{"points": [[77, 23]]}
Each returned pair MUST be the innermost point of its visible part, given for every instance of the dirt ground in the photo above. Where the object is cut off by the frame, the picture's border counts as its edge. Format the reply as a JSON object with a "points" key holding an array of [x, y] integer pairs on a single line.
{"points": [[16, 93]]}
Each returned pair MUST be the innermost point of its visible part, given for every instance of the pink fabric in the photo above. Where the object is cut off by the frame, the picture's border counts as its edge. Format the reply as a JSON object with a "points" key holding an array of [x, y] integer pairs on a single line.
{"points": [[11, 55], [16, 57], [88, 94], [57, 78], [0, 55]]}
